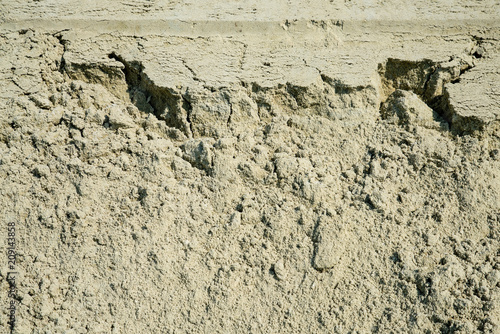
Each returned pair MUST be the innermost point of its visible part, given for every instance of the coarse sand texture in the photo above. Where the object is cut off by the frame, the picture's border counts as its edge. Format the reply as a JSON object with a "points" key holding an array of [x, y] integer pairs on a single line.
{"points": [[249, 167]]}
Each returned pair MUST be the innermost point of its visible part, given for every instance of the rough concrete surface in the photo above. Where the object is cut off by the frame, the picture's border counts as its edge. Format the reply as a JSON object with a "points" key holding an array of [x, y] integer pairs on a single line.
{"points": [[250, 166]]}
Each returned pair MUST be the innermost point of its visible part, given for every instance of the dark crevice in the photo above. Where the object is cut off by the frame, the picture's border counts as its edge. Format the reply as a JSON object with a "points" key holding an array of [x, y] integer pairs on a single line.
{"points": [[190, 70], [165, 103], [243, 55], [189, 108], [295, 94], [425, 78], [230, 112], [315, 238], [478, 51], [441, 103], [428, 79], [62, 62], [407, 75], [478, 54]]}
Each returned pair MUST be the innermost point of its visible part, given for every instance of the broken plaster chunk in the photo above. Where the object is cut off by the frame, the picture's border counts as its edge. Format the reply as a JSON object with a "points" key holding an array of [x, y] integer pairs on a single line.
{"points": [[54, 115], [118, 118], [472, 104], [288, 166], [41, 101], [379, 199], [199, 152], [42, 170], [406, 108], [279, 270], [377, 171], [93, 115], [332, 238]]}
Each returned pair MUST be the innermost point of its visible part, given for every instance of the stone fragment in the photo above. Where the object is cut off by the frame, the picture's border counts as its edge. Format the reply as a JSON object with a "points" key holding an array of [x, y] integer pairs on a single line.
{"points": [[379, 200], [288, 166], [54, 115], [406, 108], [41, 101], [119, 119], [42, 171], [377, 171], [279, 270], [199, 152]]}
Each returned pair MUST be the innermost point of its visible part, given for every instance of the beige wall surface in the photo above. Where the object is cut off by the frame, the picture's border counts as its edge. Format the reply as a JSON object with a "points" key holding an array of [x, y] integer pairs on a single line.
{"points": [[249, 166], [252, 10]]}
